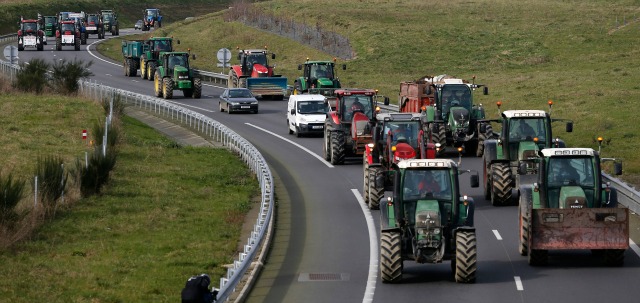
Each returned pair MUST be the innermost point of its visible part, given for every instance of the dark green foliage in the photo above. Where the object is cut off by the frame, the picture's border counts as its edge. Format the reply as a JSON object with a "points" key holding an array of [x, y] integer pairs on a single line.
{"points": [[95, 174], [33, 76], [118, 105], [113, 134], [11, 192], [66, 75], [52, 181]]}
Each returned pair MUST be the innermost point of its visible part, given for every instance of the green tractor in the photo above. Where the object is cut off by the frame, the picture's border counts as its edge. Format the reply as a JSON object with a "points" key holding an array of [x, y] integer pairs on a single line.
{"points": [[452, 119], [319, 78], [524, 133], [569, 207], [148, 60], [50, 24], [110, 22], [427, 220], [174, 73]]}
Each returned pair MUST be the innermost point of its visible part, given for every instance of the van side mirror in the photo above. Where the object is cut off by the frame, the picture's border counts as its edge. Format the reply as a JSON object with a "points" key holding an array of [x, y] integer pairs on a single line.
{"points": [[193, 56], [239, 54], [569, 127], [293, 111]]}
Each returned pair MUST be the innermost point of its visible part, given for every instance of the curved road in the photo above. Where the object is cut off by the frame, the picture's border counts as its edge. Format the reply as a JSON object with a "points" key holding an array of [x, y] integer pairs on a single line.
{"points": [[325, 247]]}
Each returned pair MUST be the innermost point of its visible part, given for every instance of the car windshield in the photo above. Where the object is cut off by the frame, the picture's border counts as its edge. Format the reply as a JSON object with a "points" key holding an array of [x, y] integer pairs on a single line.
{"points": [[311, 107], [240, 93]]}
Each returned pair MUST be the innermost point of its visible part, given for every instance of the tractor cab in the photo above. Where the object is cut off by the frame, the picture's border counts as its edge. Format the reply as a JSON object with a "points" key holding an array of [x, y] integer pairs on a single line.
{"points": [[67, 27], [29, 27], [254, 63], [175, 61], [454, 101], [50, 25]]}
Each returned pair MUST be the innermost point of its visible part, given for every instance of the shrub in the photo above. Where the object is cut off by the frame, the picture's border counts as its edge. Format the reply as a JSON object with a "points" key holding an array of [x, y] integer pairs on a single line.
{"points": [[32, 77], [118, 105], [66, 75], [52, 180], [11, 192], [95, 174]]}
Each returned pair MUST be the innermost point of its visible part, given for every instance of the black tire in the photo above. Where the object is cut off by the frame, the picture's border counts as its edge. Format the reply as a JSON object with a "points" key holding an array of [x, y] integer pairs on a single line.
{"points": [[143, 67], [83, 38], [20, 47], [482, 137], [117, 30], [58, 44], [614, 257], [157, 85], [438, 134], [40, 46], [365, 182], [298, 134], [501, 184], [197, 88], [326, 143], [487, 180], [390, 257], [77, 44], [375, 193], [167, 87], [523, 244], [289, 127], [232, 81], [132, 68], [537, 257], [337, 147], [151, 70], [466, 257]]}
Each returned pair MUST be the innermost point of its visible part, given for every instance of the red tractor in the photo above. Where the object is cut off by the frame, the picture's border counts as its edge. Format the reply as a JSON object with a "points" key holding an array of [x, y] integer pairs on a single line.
{"points": [[349, 123], [68, 34], [255, 73], [396, 137], [30, 35]]}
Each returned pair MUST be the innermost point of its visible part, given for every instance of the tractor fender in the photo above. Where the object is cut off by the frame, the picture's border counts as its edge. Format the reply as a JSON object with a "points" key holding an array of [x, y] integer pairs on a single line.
{"points": [[490, 151], [430, 114], [237, 69], [333, 117], [526, 199], [388, 222], [303, 84]]}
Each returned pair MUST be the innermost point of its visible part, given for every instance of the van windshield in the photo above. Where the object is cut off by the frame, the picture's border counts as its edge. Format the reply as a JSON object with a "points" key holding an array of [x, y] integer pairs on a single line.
{"points": [[311, 107]]}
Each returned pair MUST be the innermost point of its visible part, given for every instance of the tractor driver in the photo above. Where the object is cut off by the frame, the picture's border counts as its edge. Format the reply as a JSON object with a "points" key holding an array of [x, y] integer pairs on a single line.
{"points": [[175, 61], [421, 183], [524, 130], [563, 173], [162, 46], [401, 133]]}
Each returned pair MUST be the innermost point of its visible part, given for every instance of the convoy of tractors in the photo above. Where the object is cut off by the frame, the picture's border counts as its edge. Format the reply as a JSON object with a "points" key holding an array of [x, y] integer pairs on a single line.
{"points": [[562, 200]]}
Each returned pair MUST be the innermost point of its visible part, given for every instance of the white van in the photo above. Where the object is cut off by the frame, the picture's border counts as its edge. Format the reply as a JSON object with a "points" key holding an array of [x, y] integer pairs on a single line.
{"points": [[306, 114]]}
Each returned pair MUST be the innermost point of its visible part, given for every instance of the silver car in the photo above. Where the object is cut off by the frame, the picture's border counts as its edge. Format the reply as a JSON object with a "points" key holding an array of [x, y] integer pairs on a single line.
{"points": [[238, 100], [138, 25]]}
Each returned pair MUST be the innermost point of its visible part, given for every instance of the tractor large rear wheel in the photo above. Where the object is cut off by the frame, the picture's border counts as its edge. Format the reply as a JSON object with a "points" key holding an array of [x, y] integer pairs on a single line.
{"points": [[337, 147], [157, 84], [390, 257], [143, 68], [487, 180], [326, 144], [232, 81], [375, 193], [466, 257], [197, 88], [523, 245], [151, 70], [167, 87], [502, 184], [438, 134]]}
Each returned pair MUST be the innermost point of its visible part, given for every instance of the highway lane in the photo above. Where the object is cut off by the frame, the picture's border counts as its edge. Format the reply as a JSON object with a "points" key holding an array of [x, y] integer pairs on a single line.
{"points": [[322, 249]]}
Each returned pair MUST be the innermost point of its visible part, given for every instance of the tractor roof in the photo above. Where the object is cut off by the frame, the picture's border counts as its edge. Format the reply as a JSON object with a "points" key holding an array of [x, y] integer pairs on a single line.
{"points": [[564, 152], [355, 91], [319, 62], [524, 113], [427, 163], [174, 53], [29, 21], [252, 51], [398, 116]]}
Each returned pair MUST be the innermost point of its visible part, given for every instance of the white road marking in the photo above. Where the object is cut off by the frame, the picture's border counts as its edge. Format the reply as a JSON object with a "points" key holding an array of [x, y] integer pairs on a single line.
{"points": [[518, 283], [372, 278], [293, 143], [103, 60], [634, 247], [497, 234]]}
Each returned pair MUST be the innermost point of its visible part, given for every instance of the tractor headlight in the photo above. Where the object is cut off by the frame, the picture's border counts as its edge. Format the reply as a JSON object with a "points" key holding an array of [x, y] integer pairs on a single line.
{"points": [[436, 231], [183, 77]]}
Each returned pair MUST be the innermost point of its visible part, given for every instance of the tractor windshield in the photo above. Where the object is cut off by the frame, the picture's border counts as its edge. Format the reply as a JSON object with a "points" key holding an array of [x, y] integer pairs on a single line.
{"points": [[321, 71], [29, 26], [353, 103], [258, 58], [426, 184], [162, 45], [92, 19], [311, 107], [526, 129], [152, 13], [107, 17], [50, 20], [455, 95], [178, 60], [406, 132], [565, 175], [68, 27]]}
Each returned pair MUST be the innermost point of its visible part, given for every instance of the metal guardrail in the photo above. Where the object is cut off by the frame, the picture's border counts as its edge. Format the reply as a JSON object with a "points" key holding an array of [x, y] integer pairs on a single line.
{"points": [[217, 132], [8, 38], [212, 77]]}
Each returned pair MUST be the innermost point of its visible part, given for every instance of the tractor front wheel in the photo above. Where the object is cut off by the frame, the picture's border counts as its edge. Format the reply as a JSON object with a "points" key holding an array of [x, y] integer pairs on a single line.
{"points": [[523, 246], [466, 257], [502, 184], [390, 257], [438, 134], [375, 193], [167, 87], [337, 147], [197, 88], [365, 173], [482, 136], [326, 146]]}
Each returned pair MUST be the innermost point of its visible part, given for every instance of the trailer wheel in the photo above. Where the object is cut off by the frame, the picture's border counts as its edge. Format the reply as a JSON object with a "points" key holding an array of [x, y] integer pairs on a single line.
{"points": [[390, 257], [125, 64], [337, 147], [614, 257], [326, 146], [466, 257], [132, 68], [523, 246], [502, 184]]}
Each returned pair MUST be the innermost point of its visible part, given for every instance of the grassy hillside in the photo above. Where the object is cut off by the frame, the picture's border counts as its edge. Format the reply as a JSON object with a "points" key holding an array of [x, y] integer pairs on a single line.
{"points": [[128, 11], [580, 54]]}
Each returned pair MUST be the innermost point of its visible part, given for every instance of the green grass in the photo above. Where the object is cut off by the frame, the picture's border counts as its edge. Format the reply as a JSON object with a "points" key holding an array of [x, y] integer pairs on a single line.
{"points": [[580, 54], [169, 212]]}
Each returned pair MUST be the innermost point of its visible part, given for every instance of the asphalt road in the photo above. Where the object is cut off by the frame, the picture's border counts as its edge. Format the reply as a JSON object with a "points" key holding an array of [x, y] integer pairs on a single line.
{"points": [[325, 246]]}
